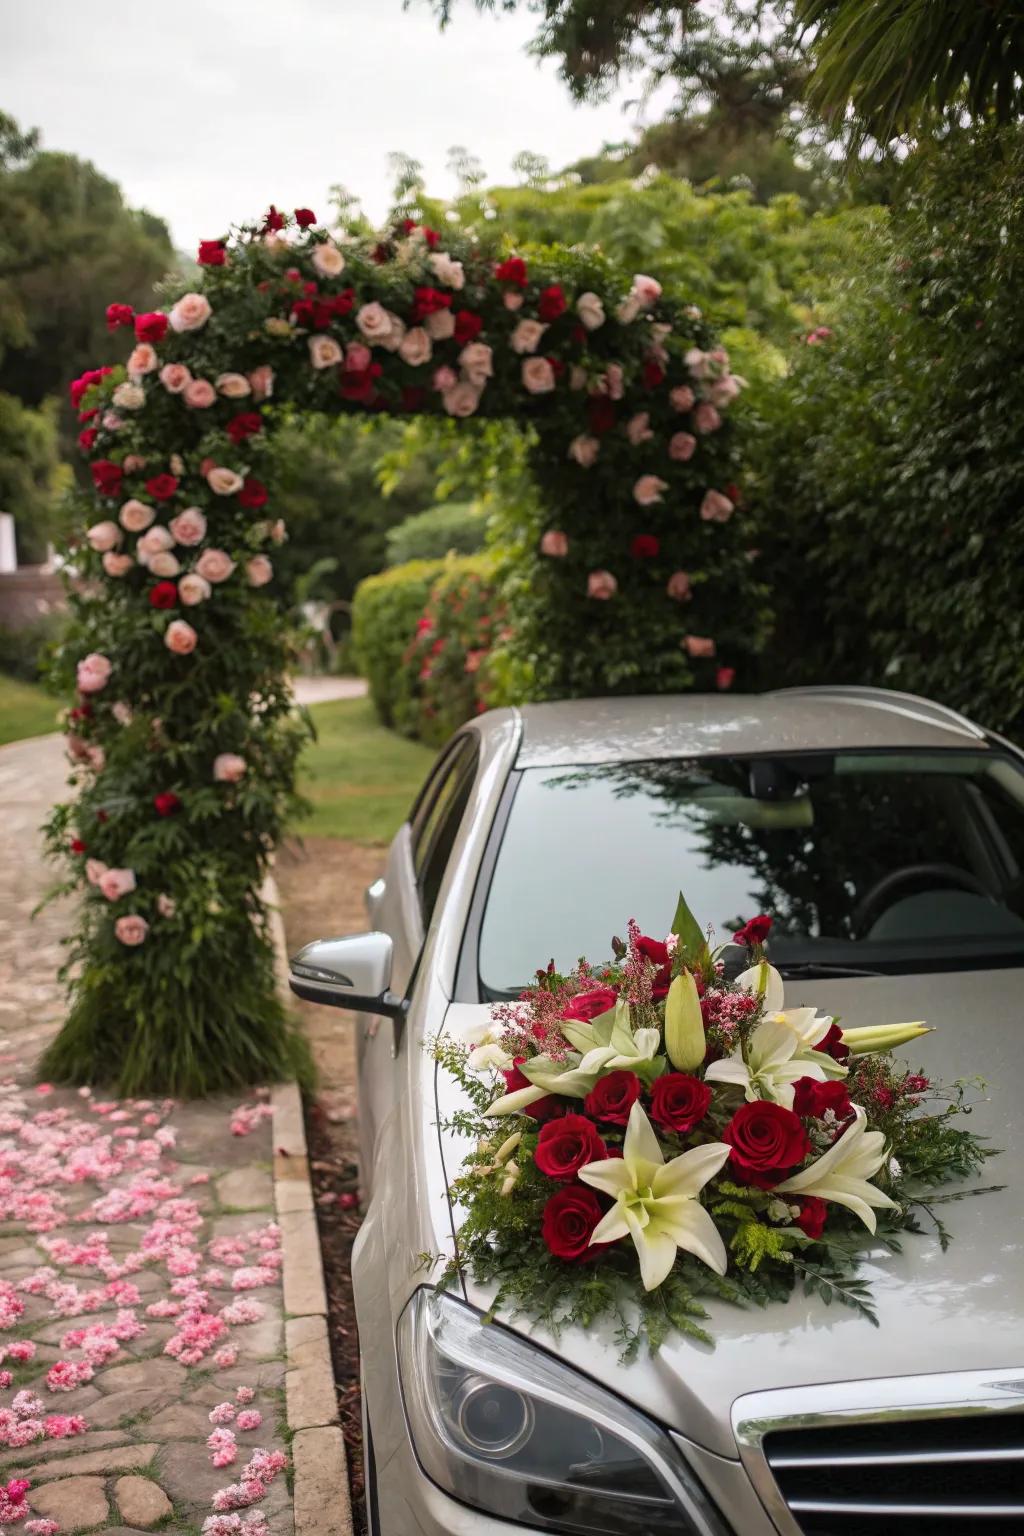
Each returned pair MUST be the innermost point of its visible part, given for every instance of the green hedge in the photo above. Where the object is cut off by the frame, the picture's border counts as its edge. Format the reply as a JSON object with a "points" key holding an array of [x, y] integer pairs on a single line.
{"points": [[446, 663], [453, 527]]}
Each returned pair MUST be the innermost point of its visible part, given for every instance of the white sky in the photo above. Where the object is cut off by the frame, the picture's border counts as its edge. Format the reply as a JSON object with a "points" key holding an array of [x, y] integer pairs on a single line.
{"points": [[206, 111]]}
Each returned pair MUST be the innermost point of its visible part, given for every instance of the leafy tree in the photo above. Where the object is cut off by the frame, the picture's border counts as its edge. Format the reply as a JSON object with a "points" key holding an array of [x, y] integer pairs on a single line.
{"points": [[30, 474]]}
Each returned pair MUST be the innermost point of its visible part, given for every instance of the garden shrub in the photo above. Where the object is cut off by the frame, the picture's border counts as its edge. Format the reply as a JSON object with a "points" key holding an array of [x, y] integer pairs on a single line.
{"points": [[453, 527], [445, 662]]}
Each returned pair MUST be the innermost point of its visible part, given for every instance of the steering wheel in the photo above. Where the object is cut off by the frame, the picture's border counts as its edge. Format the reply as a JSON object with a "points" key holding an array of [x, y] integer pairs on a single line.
{"points": [[879, 898]]}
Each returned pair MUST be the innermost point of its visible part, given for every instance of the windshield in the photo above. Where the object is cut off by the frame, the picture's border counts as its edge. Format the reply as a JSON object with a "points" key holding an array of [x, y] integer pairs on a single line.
{"points": [[867, 860]]}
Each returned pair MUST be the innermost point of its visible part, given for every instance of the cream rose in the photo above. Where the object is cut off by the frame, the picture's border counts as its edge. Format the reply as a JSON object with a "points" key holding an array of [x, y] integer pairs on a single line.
{"points": [[538, 375], [115, 883], [577, 377], [215, 565], [682, 398], [153, 542], [117, 565], [174, 377], [224, 482], [135, 515], [440, 326], [123, 713], [584, 450], [527, 336], [104, 536], [648, 490], [129, 396], [461, 399], [614, 381], [638, 428], [93, 673], [166, 905], [601, 585], [415, 348], [446, 270], [94, 868], [477, 363], [199, 394], [164, 564], [190, 313], [716, 507], [233, 386], [373, 321], [697, 362], [258, 571], [142, 359], [591, 311], [682, 446], [131, 930], [328, 260], [189, 527], [628, 310], [180, 637], [324, 352], [193, 589], [277, 325], [396, 332], [228, 768]]}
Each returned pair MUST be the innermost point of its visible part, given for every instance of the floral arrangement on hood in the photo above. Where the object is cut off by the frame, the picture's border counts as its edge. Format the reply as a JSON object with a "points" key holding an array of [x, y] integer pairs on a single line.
{"points": [[649, 1134]]}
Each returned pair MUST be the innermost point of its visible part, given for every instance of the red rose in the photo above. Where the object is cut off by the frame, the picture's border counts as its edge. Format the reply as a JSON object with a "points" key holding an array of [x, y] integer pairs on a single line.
{"points": [[77, 846], [600, 414], [359, 384], [813, 1098], [679, 1101], [427, 301], [245, 425], [119, 314], [341, 303], [381, 253], [431, 237], [833, 1045], [304, 217], [566, 1145], [106, 477], [612, 1097], [273, 221], [253, 493], [540, 1109], [754, 932], [567, 1226], [812, 1215], [166, 803], [163, 595], [512, 271], [87, 439], [587, 1005], [724, 678], [657, 952], [551, 303], [767, 1141], [645, 547], [212, 253], [162, 487], [80, 386], [151, 327], [467, 326], [654, 374]]}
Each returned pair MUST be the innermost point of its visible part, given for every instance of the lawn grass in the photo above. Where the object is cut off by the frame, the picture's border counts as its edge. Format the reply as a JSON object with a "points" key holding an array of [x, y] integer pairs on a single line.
{"points": [[25, 710], [360, 777]]}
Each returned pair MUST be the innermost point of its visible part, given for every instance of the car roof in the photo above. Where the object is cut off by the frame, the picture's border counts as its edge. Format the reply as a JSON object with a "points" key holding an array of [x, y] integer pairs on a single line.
{"points": [[700, 725]]}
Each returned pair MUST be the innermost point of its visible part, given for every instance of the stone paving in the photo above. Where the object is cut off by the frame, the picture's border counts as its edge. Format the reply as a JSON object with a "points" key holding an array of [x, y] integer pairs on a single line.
{"points": [[115, 1350]]}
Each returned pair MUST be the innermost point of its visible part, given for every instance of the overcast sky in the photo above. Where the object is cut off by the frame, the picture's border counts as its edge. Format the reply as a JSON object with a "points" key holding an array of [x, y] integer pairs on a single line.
{"points": [[207, 110]]}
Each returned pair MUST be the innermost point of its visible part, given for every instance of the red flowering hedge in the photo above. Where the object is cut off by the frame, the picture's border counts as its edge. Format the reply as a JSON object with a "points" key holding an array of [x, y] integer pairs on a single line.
{"points": [[640, 581]]}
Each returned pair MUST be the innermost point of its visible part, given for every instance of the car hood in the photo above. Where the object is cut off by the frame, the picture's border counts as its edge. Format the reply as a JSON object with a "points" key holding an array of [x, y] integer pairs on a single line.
{"points": [[958, 1310]]}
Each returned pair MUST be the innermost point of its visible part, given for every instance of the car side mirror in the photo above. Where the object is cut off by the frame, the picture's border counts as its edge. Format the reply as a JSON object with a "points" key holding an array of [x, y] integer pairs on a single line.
{"points": [[352, 972]]}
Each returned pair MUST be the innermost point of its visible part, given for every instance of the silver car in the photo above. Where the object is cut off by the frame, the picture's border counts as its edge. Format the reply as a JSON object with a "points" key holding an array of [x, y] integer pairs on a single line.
{"points": [[886, 833]]}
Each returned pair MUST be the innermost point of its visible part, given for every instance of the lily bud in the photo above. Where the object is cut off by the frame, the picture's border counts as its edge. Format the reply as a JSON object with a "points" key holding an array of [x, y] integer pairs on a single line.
{"points": [[684, 1025], [883, 1037]]}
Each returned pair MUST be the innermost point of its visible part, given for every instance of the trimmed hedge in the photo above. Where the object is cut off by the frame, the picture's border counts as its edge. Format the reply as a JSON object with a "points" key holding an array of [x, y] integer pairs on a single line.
{"points": [[446, 661], [453, 527]]}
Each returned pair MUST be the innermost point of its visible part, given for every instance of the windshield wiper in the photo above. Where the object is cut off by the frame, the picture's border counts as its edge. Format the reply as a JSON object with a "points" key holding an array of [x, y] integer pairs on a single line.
{"points": [[797, 970]]}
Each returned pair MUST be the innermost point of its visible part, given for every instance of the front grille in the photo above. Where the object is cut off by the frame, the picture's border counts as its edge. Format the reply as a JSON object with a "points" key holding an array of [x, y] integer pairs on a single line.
{"points": [[902, 1476]]}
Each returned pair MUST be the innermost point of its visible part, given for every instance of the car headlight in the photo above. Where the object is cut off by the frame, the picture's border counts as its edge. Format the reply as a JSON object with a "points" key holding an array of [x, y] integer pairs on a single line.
{"points": [[506, 1428]]}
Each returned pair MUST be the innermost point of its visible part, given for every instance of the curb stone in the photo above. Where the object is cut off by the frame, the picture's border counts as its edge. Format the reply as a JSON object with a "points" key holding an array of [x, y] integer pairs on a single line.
{"points": [[322, 1506]]}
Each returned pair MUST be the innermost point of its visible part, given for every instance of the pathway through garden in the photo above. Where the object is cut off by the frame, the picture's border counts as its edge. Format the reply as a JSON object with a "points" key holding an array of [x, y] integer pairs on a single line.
{"points": [[141, 1319]]}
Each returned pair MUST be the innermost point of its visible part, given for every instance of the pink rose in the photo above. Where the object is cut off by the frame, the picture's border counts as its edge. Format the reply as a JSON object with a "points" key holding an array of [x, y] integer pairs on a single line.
{"points": [[373, 321], [163, 564], [699, 646], [682, 398], [143, 358], [613, 383], [131, 930], [578, 377], [697, 362], [681, 446], [446, 270], [189, 527], [679, 586], [602, 585], [153, 542], [228, 768], [648, 489], [258, 571], [193, 589], [646, 289], [527, 336], [415, 348], [135, 515], [180, 638], [133, 462], [95, 869], [215, 565], [200, 394], [724, 391], [554, 543], [461, 400], [166, 905], [233, 386], [324, 352], [93, 673], [591, 311], [174, 377], [396, 333], [444, 378], [104, 536], [112, 421], [357, 357], [584, 449], [440, 326], [224, 482], [262, 381], [513, 301], [115, 883], [628, 310], [538, 376], [706, 418], [190, 313], [328, 260], [716, 508], [117, 565], [638, 428], [477, 363]]}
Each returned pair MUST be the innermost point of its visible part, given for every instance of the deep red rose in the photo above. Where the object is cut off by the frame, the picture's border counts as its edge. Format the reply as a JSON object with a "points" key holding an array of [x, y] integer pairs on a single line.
{"points": [[579, 334], [253, 493], [734, 493], [413, 398], [406, 226], [162, 487], [656, 950], [381, 253], [833, 1045], [551, 303], [212, 253], [915, 1083], [163, 595], [341, 303], [467, 326], [106, 477], [813, 1098], [612, 1097], [78, 387], [88, 415], [304, 313], [81, 712], [600, 414], [151, 327], [541, 1109], [427, 301], [566, 1145], [166, 803], [812, 1215], [245, 425], [754, 932], [119, 314], [587, 1005], [679, 1101], [512, 270], [645, 547], [767, 1141], [77, 846], [304, 217], [568, 1223], [101, 816], [87, 439], [431, 238], [359, 384], [273, 221], [654, 374]]}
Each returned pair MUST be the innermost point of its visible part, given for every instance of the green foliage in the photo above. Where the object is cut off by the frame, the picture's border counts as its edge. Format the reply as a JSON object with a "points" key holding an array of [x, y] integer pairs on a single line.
{"points": [[453, 527], [385, 612], [24, 710], [24, 652], [359, 778], [31, 477], [446, 661]]}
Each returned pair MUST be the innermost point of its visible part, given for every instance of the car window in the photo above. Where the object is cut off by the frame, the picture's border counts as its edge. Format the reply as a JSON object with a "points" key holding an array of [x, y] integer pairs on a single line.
{"points": [[436, 820]]}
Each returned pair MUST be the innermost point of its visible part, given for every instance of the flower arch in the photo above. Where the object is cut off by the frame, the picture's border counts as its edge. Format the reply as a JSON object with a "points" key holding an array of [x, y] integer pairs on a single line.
{"points": [[182, 736]]}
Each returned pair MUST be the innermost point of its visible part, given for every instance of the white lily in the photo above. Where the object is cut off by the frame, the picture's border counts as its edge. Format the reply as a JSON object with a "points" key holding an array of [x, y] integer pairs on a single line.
{"points": [[656, 1202], [809, 1026], [609, 1043], [841, 1174], [773, 1063], [486, 1051], [546, 1076]]}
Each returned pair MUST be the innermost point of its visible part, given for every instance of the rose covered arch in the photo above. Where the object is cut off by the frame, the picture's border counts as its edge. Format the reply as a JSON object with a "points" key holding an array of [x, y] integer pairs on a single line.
{"points": [[183, 736]]}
